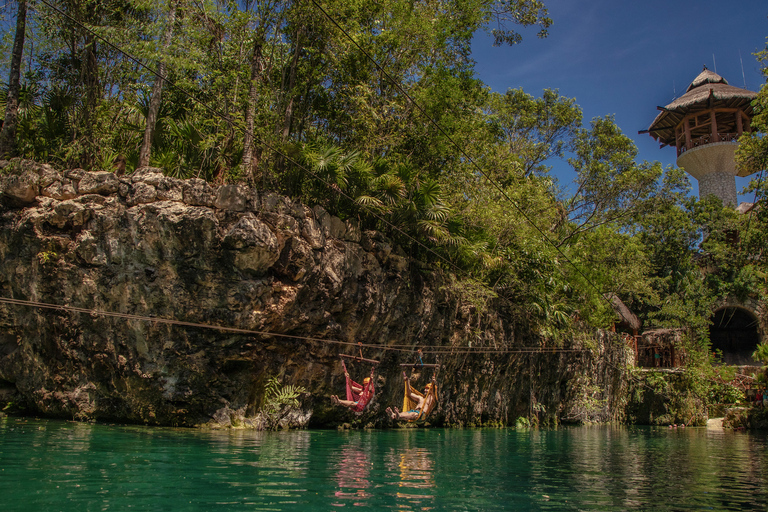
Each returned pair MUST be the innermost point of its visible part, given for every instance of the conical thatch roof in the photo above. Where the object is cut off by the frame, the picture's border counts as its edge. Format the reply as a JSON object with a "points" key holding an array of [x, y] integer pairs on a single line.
{"points": [[708, 90], [706, 77]]}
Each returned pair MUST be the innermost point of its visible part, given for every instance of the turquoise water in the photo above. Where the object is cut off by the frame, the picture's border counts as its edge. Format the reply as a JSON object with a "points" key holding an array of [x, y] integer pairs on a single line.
{"points": [[55, 465]]}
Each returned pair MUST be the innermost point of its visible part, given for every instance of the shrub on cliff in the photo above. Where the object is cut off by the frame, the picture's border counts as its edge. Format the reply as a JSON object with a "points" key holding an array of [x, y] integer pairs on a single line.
{"points": [[279, 401]]}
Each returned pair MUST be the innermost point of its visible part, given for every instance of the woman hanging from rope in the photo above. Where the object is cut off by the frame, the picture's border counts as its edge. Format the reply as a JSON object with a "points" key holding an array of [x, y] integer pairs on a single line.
{"points": [[358, 395], [416, 406]]}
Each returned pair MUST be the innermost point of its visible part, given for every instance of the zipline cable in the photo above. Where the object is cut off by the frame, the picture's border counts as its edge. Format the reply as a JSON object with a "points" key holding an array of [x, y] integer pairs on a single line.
{"points": [[396, 348], [229, 121], [240, 128], [472, 162], [452, 351]]}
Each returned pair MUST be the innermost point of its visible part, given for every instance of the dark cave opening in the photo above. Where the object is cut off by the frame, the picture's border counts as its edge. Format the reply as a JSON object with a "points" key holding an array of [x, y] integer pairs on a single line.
{"points": [[734, 333]]}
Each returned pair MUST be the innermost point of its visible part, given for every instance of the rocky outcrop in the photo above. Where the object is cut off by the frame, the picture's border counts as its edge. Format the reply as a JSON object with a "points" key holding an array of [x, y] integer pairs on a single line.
{"points": [[143, 267], [749, 418]]}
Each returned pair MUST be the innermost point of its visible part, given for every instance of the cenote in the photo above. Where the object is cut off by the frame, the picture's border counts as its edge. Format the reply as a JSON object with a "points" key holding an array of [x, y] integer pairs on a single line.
{"points": [[57, 465]]}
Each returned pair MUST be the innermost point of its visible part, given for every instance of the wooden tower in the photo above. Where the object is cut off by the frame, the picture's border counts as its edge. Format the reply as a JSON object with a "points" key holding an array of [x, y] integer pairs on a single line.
{"points": [[704, 125]]}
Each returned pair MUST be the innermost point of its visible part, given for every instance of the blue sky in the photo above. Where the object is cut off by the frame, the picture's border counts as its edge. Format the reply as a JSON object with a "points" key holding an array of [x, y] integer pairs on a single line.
{"points": [[624, 58]]}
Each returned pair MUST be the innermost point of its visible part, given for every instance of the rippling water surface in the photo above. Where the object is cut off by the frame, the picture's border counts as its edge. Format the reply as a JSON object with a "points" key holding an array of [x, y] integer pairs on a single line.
{"points": [[53, 465]]}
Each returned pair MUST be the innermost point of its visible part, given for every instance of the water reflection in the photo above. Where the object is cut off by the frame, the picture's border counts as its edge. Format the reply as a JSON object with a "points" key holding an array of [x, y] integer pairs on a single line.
{"points": [[352, 475], [69, 466], [632, 467], [254, 468], [413, 470], [417, 469]]}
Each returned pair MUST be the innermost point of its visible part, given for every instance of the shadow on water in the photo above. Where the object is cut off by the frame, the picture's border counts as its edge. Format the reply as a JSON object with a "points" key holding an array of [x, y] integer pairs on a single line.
{"points": [[54, 465]]}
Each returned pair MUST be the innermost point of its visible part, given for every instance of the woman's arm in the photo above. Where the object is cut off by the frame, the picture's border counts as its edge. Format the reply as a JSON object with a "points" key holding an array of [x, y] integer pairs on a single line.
{"points": [[354, 385]]}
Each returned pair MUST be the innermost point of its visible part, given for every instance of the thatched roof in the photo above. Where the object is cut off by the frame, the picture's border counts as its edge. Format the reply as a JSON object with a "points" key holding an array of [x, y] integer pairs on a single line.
{"points": [[706, 77], [745, 207], [708, 90], [626, 316], [663, 336]]}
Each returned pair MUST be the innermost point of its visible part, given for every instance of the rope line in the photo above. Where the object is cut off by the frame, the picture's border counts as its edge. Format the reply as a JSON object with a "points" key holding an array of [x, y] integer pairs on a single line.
{"points": [[394, 348], [167, 321], [240, 128]]}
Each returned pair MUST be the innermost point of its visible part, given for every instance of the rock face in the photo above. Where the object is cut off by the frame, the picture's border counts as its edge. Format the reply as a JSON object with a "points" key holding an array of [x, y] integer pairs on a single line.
{"points": [[751, 418], [140, 267]]}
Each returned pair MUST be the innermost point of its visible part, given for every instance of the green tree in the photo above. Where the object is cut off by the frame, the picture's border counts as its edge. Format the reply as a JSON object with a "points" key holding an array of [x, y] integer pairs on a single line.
{"points": [[752, 154], [531, 130], [610, 185], [267, 14]]}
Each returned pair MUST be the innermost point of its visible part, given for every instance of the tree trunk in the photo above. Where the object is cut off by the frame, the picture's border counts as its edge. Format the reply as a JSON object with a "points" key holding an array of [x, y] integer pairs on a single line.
{"points": [[288, 119], [83, 14], [90, 77], [8, 133], [91, 73], [249, 162], [157, 91]]}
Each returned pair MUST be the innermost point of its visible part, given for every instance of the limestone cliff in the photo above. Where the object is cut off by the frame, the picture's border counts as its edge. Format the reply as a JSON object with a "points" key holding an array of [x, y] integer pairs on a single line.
{"points": [[134, 260]]}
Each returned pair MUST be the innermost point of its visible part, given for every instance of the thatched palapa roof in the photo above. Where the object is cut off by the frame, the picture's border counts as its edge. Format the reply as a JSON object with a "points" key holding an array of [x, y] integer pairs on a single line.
{"points": [[626, 316], [707, 91]]}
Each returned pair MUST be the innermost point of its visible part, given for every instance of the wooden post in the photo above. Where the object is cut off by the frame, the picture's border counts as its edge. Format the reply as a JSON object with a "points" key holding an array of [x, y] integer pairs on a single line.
{"points": [[355, 358], [687, 127], [713, 125], [739, 124], [634, 345]]}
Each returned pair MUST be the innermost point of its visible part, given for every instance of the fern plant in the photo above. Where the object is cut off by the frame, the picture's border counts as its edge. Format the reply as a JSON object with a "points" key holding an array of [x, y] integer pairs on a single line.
{"points": [[279, 400], [761, 353]]}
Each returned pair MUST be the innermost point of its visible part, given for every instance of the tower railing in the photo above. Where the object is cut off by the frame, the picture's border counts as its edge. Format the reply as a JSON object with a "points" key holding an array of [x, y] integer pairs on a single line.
{"points": [[707, 139]]}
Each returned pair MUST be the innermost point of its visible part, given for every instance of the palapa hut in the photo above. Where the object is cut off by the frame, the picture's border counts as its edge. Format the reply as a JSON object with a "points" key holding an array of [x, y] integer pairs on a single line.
{"points": [[704, 125], [628, 322], [658, 348], [661, 348]]}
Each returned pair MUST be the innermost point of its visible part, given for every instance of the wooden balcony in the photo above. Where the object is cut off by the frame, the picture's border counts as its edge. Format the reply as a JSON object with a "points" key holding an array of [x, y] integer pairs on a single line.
{"points": [[707, 139]]}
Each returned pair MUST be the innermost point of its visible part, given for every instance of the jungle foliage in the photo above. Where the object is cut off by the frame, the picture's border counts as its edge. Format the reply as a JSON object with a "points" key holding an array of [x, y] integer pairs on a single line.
{"points": [[279, 401], [373, 110]]}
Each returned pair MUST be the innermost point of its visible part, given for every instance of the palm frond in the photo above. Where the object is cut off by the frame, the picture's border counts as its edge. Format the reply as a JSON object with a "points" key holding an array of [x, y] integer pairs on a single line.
{"points": [[369, 202], [429, 192], [390, 187]]}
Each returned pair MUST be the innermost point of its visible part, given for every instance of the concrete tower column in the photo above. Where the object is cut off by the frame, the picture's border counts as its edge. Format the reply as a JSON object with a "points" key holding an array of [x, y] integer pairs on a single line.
{"points": [[714, 167]]}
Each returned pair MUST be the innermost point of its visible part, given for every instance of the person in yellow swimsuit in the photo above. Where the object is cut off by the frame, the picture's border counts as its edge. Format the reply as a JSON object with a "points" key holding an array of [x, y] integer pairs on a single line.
{"points": [[423, 403]]}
